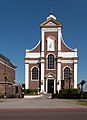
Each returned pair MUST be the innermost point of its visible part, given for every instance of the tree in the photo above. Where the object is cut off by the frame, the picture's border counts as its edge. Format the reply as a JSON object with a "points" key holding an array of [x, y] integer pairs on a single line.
{"points": [[82, 83]]}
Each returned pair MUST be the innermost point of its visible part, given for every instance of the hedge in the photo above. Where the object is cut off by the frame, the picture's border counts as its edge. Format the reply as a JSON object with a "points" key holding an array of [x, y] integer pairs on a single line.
{"points": [[30, 91], [67, 94]]}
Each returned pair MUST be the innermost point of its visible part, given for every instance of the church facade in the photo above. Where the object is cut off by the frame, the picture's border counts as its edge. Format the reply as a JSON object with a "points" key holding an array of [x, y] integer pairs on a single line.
{"points": [[51, 65]]}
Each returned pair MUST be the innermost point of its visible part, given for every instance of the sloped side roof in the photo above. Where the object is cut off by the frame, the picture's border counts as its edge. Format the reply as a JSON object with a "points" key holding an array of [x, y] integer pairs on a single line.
{"points": [[6, 60], [65, 48], [37, 48]]}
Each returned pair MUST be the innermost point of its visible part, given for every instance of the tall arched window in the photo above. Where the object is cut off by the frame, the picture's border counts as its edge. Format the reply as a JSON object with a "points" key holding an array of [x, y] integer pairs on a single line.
{"points": [[50, 61], [35, 73], [66, 73]]}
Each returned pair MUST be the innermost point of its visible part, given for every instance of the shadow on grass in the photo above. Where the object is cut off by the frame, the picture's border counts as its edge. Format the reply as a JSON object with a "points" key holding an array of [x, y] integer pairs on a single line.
{"points": [[1, 101]]}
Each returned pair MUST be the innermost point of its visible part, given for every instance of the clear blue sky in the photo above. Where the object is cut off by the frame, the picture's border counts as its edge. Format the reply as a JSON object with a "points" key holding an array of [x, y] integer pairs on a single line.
{"points": [[19, 29]]}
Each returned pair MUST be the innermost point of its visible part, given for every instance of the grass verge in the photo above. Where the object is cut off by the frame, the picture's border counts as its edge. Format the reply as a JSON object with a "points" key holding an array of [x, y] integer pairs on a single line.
{"points": [[82, 102]]}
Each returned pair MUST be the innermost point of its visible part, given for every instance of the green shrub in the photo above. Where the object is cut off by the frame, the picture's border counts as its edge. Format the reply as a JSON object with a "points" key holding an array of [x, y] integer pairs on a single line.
{"points": [[74, 91], [26, 91], [14, 96], [55, 95], [64, 91], [1, 96], [11, 96], [67, 94], [31, 91], [67, 91]]}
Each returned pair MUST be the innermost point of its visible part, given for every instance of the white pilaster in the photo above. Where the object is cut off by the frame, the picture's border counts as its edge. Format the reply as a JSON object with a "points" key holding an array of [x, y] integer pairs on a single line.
{"points": [[42, 75], [42, 60], [59, 75], [59, 39], [75, 74], [42, 46], [46, 85], [26, 76], [54, 86]]}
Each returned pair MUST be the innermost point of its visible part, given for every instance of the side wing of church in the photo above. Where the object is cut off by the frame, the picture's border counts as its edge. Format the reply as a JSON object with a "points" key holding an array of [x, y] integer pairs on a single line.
{"points": [[51, 65]]}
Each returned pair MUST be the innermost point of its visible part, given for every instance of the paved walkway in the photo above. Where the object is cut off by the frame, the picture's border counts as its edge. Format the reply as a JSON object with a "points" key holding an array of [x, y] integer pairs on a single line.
{"points": [[38, 102]]}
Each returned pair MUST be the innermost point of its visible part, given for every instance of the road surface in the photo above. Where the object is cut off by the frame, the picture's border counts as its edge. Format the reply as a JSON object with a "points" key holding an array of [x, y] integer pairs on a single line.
{"points": [[43, 114]]}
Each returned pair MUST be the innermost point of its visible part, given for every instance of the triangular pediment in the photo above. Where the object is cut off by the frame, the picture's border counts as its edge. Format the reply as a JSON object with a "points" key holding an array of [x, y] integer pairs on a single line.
{"points": [[51, 23], [50, 75]]}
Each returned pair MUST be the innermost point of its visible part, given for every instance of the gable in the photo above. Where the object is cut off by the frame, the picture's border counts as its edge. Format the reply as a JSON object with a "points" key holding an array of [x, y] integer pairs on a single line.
{"points": [[37, 48], [51, 23], [65, 48], [50, 75]]}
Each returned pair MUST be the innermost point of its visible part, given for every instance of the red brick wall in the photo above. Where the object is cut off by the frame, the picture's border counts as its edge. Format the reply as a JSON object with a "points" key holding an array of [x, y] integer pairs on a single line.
{"points": [[32, 83], [11, 77], [10, 73]]}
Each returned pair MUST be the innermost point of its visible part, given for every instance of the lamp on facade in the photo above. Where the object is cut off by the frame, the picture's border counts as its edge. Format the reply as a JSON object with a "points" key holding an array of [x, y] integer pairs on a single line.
{"points": [[39, 61], [5, 75], [70, 81]]}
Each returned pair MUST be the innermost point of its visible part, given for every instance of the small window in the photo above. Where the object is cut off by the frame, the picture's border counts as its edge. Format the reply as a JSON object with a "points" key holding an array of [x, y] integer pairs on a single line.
{"points": [[35, 73], [50, 61]]}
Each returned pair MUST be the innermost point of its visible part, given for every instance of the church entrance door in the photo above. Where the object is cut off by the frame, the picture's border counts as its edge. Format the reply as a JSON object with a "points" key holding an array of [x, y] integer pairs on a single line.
{"points": [[50, 85]]}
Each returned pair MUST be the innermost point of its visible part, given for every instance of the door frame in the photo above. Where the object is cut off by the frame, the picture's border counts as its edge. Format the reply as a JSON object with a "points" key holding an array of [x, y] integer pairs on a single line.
{"points": [[47, 84]]}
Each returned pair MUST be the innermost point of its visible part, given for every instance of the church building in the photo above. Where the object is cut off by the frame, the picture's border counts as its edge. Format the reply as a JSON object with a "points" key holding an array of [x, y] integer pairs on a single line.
{"points": [[51, 65], [8, 86], [7, 76]]}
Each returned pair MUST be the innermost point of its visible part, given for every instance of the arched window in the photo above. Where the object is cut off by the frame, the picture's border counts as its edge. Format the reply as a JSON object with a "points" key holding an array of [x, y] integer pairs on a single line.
{"points": [[66, 73], [35, 73], [50, 61]]}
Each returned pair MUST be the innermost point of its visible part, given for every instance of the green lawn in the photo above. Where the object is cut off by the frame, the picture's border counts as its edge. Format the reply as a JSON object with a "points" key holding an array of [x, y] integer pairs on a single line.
{"points": [[82, 102]]}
